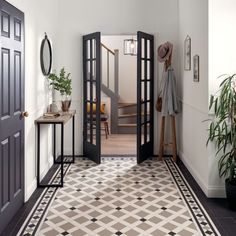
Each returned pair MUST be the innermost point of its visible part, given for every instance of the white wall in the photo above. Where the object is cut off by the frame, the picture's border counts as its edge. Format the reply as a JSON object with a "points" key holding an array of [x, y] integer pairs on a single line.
{"points": [[210, 24], [127, 67], [65, 23], [193, 21], [79, 17], [40, 16], [222, 38], [222, 51]]}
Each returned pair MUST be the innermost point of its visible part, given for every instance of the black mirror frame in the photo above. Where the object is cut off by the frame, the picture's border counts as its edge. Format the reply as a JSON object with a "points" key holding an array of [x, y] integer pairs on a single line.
{"points": [[46, 73]]}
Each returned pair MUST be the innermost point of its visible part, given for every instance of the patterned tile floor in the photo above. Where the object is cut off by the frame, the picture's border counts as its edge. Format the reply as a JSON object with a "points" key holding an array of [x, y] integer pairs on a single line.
{"points": [[119, 197]]}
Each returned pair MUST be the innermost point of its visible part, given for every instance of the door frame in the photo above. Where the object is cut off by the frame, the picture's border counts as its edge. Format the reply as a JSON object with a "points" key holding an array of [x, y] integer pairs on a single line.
{"points": [[155, 76]]}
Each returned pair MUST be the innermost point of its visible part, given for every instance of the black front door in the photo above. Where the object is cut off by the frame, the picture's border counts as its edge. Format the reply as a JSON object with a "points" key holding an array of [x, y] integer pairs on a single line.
{"points": [[145, 96], [92, 96], [11, 106]]}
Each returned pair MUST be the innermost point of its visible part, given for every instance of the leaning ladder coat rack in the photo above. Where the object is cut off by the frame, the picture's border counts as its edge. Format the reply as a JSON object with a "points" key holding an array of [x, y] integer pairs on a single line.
{"points": [[162, 138], [173, 129]]}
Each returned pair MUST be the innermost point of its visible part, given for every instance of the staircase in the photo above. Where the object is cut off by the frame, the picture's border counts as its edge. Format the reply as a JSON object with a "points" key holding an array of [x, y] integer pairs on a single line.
{"points": [[123, 115], [110, 83], [127, 118]]}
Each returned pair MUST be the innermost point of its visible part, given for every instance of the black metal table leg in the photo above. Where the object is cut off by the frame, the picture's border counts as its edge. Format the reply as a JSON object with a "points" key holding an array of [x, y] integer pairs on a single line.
{"points": [[73, 139], [38, 155], [39, 184], [62, 152], [57, 159], [54, 143]]}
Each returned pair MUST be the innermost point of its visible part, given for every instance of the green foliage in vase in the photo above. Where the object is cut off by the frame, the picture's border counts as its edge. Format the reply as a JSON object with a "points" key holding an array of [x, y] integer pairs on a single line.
{"points": [[222, 128], [61, 82]]}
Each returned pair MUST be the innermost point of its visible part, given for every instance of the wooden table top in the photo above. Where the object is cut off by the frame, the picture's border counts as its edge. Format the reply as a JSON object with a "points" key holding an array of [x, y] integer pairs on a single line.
{"points": [[63, 118]]}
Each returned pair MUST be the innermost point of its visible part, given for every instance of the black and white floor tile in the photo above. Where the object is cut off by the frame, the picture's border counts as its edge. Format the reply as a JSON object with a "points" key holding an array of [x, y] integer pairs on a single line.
{"points": [[120, 197]]}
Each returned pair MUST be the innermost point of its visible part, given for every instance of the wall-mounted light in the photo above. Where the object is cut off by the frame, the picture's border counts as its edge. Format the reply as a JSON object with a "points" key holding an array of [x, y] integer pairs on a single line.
{"points": [[130, 47]]}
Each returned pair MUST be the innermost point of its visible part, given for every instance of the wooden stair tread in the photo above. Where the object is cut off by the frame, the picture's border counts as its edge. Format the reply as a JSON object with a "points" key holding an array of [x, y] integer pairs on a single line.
{"points": [[122, 105], [127, 125], [129, 115]]}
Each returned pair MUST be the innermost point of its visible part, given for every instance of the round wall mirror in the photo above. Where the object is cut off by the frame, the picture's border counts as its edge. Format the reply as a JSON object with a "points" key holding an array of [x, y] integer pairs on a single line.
{"points": [[46, 56]]}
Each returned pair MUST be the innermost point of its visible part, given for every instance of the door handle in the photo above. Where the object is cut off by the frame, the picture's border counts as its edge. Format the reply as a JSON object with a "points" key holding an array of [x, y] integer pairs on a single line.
{"points": [[24, 114]]}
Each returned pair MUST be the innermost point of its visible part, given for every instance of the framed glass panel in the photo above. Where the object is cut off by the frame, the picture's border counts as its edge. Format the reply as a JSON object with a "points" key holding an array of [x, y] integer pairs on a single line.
{"points": [[148, 111], [148, 132], [142, 135], [88, 91], [88, 135], [142, 113], [94, 92], [88, 70], [148, 90], [148, 70], [142, 91], [94, 70], [148, 49], [143, 70], [88, 49], [94, 130], [94, 49], [143, 48]]}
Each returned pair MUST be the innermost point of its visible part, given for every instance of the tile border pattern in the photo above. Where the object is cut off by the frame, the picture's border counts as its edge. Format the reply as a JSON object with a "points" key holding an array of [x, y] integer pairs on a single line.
{"points": [[196, 210], [36, 216]]}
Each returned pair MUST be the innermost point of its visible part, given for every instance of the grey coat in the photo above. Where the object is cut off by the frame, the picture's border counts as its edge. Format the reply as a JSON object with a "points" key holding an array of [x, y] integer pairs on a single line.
{"points": [[168, 93]]}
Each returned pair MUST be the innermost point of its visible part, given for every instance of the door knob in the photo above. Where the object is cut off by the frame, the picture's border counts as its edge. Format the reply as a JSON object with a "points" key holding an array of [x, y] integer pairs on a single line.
{"points": [[24, 114]]}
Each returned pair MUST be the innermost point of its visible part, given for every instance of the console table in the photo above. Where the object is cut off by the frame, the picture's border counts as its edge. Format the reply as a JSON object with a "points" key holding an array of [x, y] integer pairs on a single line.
{"points": [[60, 120]]}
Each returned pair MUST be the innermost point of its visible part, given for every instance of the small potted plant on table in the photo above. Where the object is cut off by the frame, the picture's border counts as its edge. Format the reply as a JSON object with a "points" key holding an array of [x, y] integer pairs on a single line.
{"points": [[62, 83], [222, 130]]}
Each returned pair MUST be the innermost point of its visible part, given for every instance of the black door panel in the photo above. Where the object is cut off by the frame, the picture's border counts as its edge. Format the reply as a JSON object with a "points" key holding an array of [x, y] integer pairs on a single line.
{"points": [[11, 106], [145, 96], [92, 96]]}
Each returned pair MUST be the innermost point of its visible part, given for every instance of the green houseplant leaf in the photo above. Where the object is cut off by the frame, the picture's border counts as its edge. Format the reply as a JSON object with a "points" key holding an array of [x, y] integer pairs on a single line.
{"points": [[222, 128], [61, 82]]}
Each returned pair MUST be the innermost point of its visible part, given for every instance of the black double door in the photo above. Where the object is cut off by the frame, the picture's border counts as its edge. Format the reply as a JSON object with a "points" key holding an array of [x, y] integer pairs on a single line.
{"points": [[92, 96], [145, 96], [11, 107]]}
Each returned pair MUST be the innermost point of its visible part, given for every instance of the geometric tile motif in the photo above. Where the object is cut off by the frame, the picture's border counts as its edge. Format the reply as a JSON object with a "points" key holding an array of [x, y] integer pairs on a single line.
{"points": [[196, 209], [36, 215], [118, 197]]}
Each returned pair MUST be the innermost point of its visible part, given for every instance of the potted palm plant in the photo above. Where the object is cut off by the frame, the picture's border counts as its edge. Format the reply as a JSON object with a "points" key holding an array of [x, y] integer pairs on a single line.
{"points": [[62, 83], [222, 131]]}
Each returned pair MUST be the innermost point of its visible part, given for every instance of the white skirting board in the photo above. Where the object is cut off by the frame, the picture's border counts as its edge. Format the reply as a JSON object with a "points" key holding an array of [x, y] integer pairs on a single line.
{"points": [[31, 188], [210, 191]]}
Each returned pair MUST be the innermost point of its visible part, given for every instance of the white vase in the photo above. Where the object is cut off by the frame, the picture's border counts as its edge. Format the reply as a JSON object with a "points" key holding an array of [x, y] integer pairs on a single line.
{"points": [[53, 107]]}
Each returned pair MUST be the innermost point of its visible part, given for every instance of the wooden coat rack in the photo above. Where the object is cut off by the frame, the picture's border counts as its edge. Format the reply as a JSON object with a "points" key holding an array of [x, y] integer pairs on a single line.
{"points": [[162, 138], [173, 129]]}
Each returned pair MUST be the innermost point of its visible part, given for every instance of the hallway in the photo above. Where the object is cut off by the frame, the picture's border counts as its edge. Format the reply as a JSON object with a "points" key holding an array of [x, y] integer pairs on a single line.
{"points": [[71, 70]]}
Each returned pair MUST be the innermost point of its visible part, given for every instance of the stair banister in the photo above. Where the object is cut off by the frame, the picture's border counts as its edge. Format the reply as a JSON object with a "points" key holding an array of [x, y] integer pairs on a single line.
{"points": [[113, 94]]}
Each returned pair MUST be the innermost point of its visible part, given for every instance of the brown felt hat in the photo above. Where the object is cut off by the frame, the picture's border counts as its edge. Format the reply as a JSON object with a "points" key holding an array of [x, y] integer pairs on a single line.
{"points": [[164, 51]]}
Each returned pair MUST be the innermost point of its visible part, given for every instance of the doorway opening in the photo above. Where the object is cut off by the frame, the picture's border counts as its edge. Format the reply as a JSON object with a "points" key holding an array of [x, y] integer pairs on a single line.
{"points": [[118, 96], [94, 117]]}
